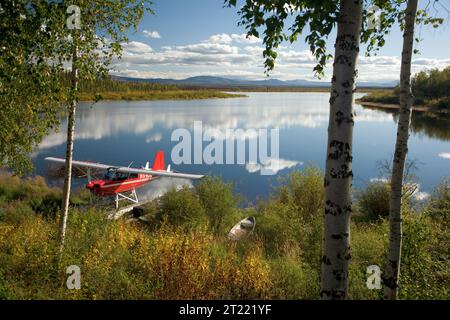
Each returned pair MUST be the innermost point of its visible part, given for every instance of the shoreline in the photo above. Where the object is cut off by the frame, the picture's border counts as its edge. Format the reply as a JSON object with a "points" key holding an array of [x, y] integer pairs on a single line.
{"points": [[198, 94], [386, 106], [161, 95]]}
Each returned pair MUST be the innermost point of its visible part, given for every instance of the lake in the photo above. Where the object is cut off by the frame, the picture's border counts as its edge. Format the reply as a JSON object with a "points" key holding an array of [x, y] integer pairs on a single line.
{"points": [[119, 133]]}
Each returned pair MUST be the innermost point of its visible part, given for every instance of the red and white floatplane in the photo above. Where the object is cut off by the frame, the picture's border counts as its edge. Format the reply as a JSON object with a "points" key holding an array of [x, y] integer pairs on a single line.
{"points": [[122, 182]]}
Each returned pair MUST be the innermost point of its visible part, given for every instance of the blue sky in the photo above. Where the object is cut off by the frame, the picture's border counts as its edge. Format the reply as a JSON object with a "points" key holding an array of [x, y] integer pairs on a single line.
{"points": [[200, 37]]}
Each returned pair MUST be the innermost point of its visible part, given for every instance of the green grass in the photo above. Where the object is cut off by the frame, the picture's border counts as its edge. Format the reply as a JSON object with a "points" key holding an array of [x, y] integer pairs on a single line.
{"points": [[382, 96], [392, 97]]}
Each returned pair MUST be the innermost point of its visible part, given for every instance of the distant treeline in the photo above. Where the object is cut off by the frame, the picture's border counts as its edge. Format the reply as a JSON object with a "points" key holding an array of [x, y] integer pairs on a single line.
{"points": [[108, 84], [108, 88], [430, 89]]}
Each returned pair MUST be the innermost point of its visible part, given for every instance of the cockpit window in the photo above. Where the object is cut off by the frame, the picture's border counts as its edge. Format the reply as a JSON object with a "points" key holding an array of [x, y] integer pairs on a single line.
{"points": [[121, 176], [113, 175], [110, 174]]}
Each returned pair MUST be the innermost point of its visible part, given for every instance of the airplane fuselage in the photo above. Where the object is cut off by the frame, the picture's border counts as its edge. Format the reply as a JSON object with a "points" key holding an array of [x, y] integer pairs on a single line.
{"points": [[111, 187]]}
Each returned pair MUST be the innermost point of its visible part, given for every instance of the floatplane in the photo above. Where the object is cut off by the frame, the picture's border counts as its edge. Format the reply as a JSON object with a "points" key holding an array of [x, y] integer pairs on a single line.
{"points": [[122, 182]]}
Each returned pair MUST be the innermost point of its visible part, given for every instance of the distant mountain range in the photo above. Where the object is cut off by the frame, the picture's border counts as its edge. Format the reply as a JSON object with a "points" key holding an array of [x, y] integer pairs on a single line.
{"points": [[209, 81]]}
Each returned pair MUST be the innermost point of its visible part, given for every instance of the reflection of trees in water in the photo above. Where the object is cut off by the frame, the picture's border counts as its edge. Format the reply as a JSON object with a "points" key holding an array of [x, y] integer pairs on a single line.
{"points": [[436, 126]]}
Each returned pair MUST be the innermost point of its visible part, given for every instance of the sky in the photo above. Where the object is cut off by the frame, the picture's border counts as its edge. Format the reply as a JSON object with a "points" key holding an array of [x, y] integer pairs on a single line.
{"points": [[202, 38]]}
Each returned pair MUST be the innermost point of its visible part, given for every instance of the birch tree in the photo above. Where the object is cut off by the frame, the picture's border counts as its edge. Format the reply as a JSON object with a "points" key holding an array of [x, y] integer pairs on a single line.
{"points": [[321, 16], [392, 272], [93, 33], [401, 149], [338, 172]]}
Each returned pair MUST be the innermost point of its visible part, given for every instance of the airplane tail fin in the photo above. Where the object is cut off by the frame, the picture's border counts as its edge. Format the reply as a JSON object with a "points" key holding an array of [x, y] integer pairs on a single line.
{"points": [[159, 161]]}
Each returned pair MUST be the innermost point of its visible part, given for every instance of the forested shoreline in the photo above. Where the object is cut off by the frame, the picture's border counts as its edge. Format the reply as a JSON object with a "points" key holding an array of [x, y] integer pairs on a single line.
{"points": [[107, 88], [431, 92]]}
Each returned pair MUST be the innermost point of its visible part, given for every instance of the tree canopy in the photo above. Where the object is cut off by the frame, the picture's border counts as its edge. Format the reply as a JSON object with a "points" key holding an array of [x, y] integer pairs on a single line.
{"points": [[314, 20], [36, 47]]}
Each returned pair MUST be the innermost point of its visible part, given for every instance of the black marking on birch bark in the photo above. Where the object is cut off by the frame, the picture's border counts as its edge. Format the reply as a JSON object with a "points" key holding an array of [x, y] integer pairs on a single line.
{"points": [[347, 42], [339, 275], [343, 173], [325, 293], [340, 117], [334, 294], [347, 84], [343, 59], [326, 182], [389, 282], [348, 256], [340, 149], [338, 294], [340, 236], [333, 97], [335, 209], [393, 264], [326, 261]]}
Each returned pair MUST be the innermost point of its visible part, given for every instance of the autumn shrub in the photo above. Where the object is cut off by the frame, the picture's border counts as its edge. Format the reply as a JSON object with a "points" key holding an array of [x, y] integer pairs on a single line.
{"points": [[177, 255], [4, 292], [369, 242], [439, 203], [305, 190], [187, 265], [278, 225], [27, 257], [182, 208], [373, 201], [425, 273], [294, 277], [294, 214], [219, 202], [111, 266]]}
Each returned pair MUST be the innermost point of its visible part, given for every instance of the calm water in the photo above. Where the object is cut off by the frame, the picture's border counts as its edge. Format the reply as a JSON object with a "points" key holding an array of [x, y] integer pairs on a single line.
{"points": [[121, 132]]}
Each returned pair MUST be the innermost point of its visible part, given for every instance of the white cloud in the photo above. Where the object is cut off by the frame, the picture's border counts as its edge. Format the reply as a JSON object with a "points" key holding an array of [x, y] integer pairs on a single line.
{"points": [[151, 34], [208, 48], [444, 155], [220, 38], [135, 47], [235, 54], [421, 196], [156, 137], [225, 38], [381, 180], [243, 38], [273, 166]]}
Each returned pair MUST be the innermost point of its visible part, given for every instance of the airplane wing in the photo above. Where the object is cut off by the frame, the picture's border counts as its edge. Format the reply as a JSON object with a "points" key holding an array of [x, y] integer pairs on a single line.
{"points": [[101, 166], [83, 164]]}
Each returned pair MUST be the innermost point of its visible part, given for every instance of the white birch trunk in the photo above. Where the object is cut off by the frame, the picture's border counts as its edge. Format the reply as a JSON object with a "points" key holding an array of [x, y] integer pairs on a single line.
{"points": [[392, 273], [69, 152], [338, 173]]}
